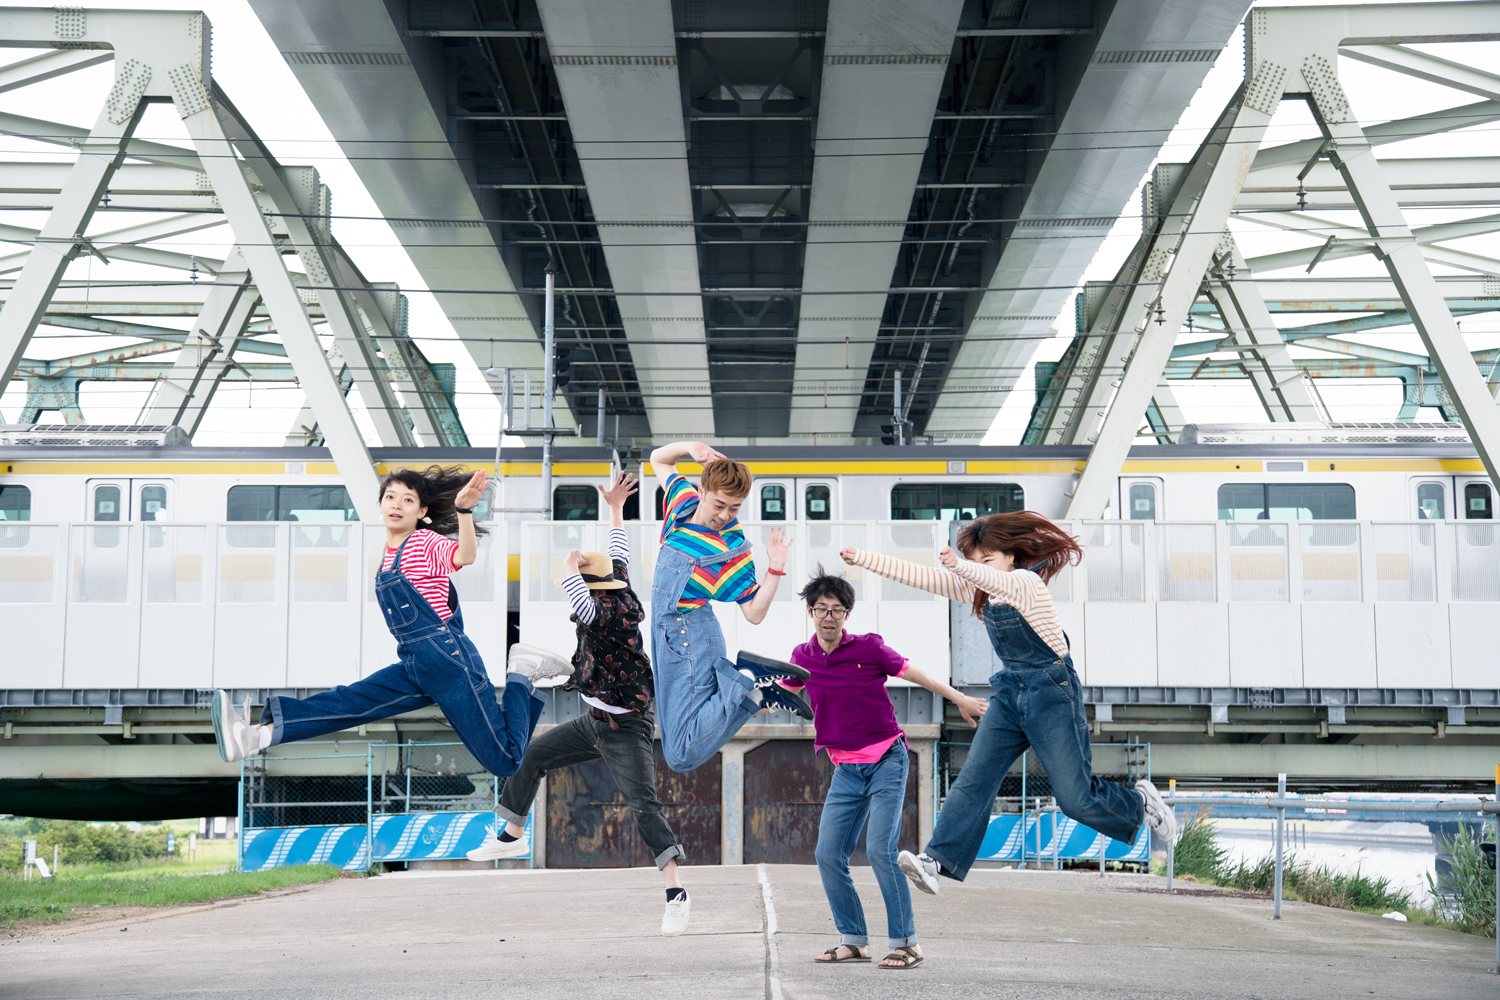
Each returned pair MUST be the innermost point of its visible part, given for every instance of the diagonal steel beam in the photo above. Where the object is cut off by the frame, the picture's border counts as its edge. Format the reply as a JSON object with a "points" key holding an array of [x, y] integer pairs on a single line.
{"points": [[49, 66]]}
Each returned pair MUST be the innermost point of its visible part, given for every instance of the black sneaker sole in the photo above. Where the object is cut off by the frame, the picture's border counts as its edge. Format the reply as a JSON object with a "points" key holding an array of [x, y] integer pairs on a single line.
{"points": [[766, 666]]}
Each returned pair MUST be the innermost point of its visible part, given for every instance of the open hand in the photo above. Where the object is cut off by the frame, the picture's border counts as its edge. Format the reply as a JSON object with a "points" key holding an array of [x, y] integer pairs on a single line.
{"points": [[702, 453], [971, 709], [470, 494], [778, 547], [948, 557], [847, 554], [623, 485]]}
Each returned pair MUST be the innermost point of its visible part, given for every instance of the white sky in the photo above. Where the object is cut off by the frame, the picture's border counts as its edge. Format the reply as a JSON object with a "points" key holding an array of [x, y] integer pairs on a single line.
{"points": [[249, 68]]}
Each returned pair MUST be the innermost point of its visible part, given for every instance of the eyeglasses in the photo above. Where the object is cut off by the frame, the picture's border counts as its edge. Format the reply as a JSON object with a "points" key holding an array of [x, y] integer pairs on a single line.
{"points": [[837, 614]]}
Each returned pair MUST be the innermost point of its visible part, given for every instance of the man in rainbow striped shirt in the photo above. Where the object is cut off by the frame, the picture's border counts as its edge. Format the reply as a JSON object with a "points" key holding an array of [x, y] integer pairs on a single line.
{"points": [[702, 697]]}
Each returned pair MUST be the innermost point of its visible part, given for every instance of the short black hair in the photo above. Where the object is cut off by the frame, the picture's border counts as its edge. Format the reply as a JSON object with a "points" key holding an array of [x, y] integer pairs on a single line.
{"points": [[824, 584]]}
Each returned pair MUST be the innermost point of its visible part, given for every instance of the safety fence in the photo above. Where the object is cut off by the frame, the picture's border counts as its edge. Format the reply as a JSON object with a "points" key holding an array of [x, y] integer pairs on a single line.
{"points": [[393, 802], [1282, 803], [246, 605]]}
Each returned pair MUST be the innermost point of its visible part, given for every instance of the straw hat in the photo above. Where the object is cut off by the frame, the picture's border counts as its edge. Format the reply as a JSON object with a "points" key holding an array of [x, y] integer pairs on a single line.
{"points": [[598, 571]]}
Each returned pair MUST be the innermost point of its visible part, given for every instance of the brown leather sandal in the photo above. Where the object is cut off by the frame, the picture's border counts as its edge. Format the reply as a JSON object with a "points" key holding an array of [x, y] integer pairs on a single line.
{"points": [[907, 956], [831, 956]]}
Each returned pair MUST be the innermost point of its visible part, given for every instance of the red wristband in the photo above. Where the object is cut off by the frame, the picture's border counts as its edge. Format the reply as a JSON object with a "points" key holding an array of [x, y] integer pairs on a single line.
{"points": [[775, 572]]}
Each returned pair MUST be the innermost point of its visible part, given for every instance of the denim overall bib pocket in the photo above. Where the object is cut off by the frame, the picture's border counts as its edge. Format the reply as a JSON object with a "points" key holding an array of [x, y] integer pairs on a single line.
{"points": [[685, 636]]}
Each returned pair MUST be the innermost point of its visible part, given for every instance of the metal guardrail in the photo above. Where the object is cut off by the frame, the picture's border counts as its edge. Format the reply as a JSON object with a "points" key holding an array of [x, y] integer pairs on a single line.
{"points": [[1281, 803]]}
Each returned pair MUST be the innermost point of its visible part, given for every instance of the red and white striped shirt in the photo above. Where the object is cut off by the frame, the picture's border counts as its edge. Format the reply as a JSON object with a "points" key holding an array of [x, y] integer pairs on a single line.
{"points": [[426, 562]]}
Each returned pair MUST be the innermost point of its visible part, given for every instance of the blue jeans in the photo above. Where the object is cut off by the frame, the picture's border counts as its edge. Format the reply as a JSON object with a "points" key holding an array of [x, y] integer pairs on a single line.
{"points": [[1041, 706], [876, 791], [495, 731], [702, 699]]}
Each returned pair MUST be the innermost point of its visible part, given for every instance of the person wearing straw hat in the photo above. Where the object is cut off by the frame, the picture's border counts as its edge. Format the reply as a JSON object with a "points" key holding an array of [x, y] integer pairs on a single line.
{"points": [[612, 674]]}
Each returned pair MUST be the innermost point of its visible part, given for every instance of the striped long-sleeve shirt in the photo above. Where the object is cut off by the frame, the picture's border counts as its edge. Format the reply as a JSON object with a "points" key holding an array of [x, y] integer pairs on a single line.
{"points": [[578, 591], [1021, 589]]}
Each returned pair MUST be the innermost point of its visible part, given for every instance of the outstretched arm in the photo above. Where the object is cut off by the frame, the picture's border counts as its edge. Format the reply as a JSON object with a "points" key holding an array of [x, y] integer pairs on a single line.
{"points": [[922, 577], [778, 547], [1006, 586], [970, 708], [664, 459]]}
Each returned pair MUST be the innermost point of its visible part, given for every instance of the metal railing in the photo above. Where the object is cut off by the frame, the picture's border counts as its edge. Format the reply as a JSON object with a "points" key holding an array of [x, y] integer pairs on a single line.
{"points": [[1280, 802]]}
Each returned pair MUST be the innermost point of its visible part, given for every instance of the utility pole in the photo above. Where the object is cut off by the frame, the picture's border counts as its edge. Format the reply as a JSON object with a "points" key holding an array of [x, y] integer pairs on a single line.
{"points": [[549, 338]]}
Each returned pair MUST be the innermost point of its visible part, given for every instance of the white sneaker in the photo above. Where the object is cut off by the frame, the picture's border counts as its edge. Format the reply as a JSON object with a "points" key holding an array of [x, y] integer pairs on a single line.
{"points": [[237, 739], [1162, 817], [538, 665], [675, 920], [922, 870], [493, 849]]}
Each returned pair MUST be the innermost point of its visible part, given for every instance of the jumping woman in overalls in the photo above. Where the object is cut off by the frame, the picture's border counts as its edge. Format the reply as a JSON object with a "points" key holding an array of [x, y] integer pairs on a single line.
{"points": [[1037, 700], [438, 661], [702, 697]]}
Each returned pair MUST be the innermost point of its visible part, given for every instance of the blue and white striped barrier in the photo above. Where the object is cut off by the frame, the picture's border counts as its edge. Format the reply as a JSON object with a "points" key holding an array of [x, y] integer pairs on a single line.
{"points": [[1049, 832], [405, 837]]}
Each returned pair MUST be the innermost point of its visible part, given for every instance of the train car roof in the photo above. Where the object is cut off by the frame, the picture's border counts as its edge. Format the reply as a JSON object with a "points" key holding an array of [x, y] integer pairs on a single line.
{"points": [[777, 454]]}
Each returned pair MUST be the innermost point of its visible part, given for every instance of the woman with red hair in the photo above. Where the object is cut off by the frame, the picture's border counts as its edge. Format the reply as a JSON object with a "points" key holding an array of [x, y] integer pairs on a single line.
{"points": [[1037, 699]]}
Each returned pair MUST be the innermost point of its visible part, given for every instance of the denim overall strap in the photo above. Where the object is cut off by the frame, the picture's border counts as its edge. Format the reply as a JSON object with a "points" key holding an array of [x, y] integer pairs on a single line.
{"points": [[725, 556], [1014, 640], [407, 613]]}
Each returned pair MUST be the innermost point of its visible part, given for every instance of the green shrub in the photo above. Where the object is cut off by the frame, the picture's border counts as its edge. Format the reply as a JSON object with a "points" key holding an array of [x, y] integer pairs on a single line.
{"points": [[1470, 882], [81, 843], [1197, 852]]}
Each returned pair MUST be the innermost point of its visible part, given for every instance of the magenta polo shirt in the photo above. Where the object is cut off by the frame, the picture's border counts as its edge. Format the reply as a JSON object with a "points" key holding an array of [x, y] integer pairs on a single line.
{"points": [[851, 709]]}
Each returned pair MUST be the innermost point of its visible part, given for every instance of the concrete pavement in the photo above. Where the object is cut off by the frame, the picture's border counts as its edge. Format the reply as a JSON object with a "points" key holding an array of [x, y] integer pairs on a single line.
{"points": [[594, 934]]}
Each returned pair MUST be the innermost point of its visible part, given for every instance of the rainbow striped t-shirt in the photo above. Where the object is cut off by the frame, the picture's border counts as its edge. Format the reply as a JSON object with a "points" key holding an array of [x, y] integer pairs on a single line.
{"points": [[731, 581]]}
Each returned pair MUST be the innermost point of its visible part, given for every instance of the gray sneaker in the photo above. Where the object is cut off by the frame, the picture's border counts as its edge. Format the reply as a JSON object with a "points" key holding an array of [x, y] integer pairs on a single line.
{"points": [[237, 739], [922, 870], [541, 667], [1162, 817]]}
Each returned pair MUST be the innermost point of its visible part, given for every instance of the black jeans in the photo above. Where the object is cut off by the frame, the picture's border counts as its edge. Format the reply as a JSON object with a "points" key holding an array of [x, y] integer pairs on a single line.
{"points": [[630, 757]]}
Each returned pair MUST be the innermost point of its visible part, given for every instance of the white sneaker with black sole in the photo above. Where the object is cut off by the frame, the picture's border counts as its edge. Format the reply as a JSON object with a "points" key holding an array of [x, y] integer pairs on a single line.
{"points": [[542, 667], [237, 739], [1160, 816], [675, 920], [495, 849], [922, 870]]}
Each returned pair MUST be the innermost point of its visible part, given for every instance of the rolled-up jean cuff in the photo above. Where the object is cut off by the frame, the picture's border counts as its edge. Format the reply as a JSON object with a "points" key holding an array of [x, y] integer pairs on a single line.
{"points": [[271, 715], [894, 943], [855, 940], [521, 679], [675, 851], [509, 817]]}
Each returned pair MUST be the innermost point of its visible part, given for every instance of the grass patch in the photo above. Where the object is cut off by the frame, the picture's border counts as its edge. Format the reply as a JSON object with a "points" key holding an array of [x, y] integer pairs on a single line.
{"points": [[1197, 853], [64, 896], [1469, 885]]}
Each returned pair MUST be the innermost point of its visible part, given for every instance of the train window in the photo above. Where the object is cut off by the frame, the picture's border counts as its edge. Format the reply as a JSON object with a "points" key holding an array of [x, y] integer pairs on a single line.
{"points": [[819, 501], [15, 503], [106, 503], [661, 498], [1477, 505], [1142, 502], [1432, 505], [954, 501], [290, 503], [575, 503], [153, 503], [1286, 502], [773, 503]]}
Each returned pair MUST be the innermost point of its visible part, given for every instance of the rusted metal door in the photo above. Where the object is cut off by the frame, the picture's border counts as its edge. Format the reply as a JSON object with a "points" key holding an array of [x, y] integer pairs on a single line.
{"points": [[784, 790], [590, 826]]}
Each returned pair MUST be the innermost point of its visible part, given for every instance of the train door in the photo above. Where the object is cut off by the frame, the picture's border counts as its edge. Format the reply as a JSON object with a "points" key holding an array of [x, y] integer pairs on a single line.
{"points": [[1142, 498], [1431, 498], [128, 500], [819, 499]]}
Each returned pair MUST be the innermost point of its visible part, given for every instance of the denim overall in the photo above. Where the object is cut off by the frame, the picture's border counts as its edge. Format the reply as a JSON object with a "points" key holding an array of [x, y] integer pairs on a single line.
{"points": [[438, 664], [702, 699], [1037, 702]]}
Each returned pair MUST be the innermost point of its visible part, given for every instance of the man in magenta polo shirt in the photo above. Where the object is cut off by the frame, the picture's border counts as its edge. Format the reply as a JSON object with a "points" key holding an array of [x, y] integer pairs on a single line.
{"points": [[856, 724]]}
